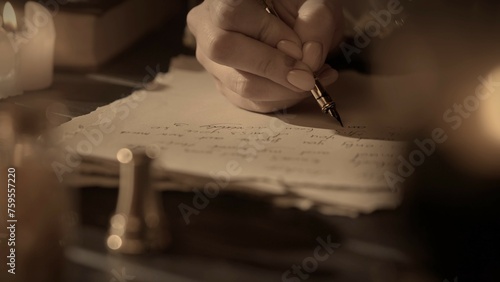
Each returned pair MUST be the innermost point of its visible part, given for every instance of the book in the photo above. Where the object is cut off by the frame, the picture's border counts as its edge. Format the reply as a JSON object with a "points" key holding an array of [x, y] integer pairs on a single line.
{"points": [[92, 32]]}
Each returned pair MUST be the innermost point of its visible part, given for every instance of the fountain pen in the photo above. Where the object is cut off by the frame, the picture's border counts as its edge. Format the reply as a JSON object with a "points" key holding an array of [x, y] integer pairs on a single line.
{"points": [[319, 93]]}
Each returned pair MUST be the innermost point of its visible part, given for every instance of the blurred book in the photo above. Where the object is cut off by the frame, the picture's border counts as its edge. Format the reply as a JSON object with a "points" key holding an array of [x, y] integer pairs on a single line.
{"points": [[92, 32]]}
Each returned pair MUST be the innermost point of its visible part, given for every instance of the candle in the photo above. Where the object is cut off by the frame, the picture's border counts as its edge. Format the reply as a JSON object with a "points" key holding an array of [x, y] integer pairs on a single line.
{"points": [[33, 41], [9, 65], [9, 18], [37, 54]]}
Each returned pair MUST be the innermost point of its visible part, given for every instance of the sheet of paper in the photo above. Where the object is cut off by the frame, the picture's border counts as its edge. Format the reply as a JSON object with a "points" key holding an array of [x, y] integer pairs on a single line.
{"points": [[194, 131]]}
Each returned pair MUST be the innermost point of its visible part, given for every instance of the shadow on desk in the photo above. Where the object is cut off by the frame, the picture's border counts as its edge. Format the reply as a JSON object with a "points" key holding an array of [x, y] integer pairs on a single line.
{"points": [[237, 238]]}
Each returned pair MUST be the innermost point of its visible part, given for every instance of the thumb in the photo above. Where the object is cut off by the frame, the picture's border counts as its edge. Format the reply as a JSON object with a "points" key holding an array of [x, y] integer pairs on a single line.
{"points": [[318, 25]]}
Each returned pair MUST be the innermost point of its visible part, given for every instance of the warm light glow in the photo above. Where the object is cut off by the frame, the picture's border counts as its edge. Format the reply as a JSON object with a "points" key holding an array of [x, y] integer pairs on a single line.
{"points": [[114, 242], [124, 156], [118, 221], [491, 108], [9, 18]]}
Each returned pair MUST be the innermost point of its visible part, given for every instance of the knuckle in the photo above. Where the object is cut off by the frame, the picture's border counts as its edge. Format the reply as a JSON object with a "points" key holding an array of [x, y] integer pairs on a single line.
{"points": [[243, 86], [192, 18], [226, 13], [220, 48]]}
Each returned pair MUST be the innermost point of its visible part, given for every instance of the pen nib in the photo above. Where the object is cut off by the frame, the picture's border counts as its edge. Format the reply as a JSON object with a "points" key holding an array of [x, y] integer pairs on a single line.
{"points": [[333, 112]]}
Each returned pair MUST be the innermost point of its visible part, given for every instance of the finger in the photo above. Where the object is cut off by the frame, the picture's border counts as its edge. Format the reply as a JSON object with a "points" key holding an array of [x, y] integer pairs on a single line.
{"points": [[288, 10], [317, 23], [249, 17], [248, 85], [254, 57], [254, 106], [327, 75]]}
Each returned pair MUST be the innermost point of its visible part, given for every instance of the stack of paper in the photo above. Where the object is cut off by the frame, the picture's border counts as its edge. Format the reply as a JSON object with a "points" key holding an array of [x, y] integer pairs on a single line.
{"points": [[300, 158]]}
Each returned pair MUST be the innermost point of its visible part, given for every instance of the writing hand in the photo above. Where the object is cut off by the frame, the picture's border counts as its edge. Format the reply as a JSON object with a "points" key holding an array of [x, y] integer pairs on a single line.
{"points": [[262, 63]]}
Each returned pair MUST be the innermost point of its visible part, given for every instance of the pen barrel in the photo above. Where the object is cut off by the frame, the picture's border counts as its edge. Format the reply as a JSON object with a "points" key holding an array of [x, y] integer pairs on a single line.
{"points": [[322, 98]]}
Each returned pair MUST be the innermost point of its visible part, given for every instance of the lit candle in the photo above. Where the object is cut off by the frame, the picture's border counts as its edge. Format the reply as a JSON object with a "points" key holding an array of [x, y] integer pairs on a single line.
{"points": [[33, 41], [9, 18], [37, 50], [9, 62], [490, 108]]}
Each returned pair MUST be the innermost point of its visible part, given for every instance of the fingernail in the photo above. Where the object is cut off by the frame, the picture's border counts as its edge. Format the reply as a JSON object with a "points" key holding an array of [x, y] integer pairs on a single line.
{"points": [[313, 55], [290, 48], [328, 76], [301, 79]]}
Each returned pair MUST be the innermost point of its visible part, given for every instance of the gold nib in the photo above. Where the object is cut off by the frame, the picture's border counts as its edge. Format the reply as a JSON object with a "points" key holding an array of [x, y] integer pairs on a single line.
{"points": [[325, 101], [333, 112]]}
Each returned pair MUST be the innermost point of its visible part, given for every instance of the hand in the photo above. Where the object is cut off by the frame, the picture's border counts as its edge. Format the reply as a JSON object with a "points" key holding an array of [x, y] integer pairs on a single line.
{"points": [[262, 63]]}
